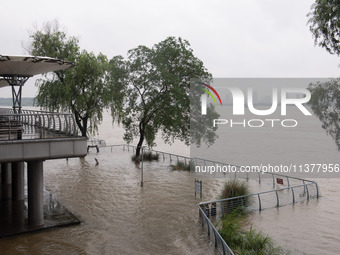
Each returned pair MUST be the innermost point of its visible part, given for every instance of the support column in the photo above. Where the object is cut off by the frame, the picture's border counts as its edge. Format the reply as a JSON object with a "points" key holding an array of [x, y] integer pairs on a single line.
{"points": [[35, 193], [18, 215], [18, 181], [6, 180]]}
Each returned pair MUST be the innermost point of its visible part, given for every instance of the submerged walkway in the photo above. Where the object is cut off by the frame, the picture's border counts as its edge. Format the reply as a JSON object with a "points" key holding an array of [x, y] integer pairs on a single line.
{"points": [[14, 221]]}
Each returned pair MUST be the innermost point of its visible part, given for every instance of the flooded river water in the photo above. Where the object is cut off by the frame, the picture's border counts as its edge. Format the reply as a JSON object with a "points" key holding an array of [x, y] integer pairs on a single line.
{"points": [[120, 217]]}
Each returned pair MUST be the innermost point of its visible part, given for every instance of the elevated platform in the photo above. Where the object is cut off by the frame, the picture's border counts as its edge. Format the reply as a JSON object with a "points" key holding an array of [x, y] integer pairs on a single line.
{"points": [[42, 149], [30, 137], [14, 216], [36, 135], [27, 139]]}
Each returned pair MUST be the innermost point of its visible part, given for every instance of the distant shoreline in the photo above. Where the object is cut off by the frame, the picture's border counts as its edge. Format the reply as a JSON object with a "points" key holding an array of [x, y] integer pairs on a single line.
{"points": [[25, 101]]}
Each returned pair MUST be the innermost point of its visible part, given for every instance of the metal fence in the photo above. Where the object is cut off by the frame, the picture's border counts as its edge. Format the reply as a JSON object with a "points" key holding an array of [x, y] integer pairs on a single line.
{"points": [[297, 190], [220, 243], [31, 124], [212, 211], [255, 175], [170, 156]]}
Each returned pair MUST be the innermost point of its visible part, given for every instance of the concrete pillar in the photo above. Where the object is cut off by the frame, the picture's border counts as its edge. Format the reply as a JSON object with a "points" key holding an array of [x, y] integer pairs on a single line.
{"points": [[18, 215], [35, 193], [6, 214], [6, 180], [18, 181]]}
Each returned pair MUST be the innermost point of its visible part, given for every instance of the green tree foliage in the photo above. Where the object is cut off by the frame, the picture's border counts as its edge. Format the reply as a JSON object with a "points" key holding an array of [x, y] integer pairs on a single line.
{"points": [[325, 103], [158, 92], [84, 89], [149, 92], [116, 81], [324, 21]]}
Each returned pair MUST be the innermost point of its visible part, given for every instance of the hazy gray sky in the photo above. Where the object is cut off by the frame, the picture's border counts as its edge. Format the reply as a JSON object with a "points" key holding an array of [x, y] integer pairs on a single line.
{"points": [[234, 38]]}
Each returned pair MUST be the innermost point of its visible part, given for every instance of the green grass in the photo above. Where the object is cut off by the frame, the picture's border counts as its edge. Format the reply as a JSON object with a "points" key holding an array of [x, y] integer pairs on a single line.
{"points": [[242, 242], [147, 156], [231, 231], [236, 188], [257, 243], [246, 242]]}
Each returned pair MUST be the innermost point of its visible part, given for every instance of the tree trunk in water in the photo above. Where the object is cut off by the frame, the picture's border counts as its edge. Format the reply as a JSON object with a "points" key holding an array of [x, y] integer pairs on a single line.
{"points": [[84, 129], [81, 126], [139, 145]]}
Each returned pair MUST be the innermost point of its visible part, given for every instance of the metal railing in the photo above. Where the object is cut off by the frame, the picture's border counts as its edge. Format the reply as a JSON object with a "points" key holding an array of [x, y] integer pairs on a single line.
{"points": [[31, 124], [258, 175], [220, 244], [212, 211], [297, 190], [171, 156]]}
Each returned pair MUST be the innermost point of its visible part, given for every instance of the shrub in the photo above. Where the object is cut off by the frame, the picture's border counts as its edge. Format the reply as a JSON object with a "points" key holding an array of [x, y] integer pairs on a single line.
{"points": [[147, 156], [246, 242], [235, 188], [180, 165], [231, 231], [257, 243]]}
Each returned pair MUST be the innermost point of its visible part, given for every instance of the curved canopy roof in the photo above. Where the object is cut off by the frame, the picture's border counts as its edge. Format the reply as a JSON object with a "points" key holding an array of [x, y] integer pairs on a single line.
{"points": [[28, 66]]}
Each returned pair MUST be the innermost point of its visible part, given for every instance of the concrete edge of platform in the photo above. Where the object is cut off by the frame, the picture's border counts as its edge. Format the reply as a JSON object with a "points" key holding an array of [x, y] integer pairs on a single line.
{"points": [[40, 228], [56, 215]]}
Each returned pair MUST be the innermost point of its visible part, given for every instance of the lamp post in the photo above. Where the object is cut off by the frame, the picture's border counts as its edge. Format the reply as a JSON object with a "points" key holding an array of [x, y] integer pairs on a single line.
{"points": [[142, 172]]}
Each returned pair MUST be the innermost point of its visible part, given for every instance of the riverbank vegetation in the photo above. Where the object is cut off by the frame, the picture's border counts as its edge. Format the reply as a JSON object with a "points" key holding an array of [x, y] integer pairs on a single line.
{"points": [[180, 165], [246, 241], [236, 188], [242, 241], [147, 156]]}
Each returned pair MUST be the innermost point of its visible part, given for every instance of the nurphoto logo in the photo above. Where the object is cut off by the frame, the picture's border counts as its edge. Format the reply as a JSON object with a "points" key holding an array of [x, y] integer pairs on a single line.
{"points": [[204, 97], [280, 98]]}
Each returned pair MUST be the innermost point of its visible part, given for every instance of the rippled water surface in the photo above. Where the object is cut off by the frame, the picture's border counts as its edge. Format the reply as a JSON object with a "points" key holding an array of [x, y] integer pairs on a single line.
{"points": [[118, 215], [306, 228]]}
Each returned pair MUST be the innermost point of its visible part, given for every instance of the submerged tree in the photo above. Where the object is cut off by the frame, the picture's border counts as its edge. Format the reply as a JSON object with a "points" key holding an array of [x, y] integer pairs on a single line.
{"points": [[79, 91], [325, 103], [159, 93], [84, 89], [117, 82]]}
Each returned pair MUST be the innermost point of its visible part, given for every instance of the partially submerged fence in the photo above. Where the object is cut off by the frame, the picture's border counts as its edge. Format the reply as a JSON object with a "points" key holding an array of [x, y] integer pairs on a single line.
{"points": [[297, 190], [171, 156], [212, 211], [31, 124], [255, 175]]}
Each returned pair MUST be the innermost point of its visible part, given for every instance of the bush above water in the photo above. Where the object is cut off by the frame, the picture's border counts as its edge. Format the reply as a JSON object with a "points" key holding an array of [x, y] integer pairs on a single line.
{"points": [[180, 165], [240, 241], [147, 156], [247, 242], [234, 188]]}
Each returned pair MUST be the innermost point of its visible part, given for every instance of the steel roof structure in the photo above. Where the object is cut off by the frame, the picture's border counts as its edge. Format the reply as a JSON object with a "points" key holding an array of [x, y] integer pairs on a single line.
{"points": [[28, 66], [16, 70]]}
